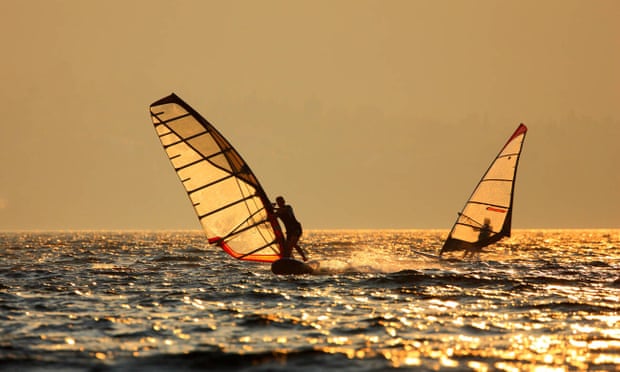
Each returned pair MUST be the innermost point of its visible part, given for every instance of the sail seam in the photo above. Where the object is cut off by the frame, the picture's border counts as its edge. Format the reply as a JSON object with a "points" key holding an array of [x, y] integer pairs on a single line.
{"points": [[496, 179], [489, 204], [468, 225], [508, 155]]}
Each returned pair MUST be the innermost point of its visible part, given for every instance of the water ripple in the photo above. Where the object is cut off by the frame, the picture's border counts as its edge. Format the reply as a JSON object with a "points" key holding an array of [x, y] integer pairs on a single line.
{"points": [[166, 301]]}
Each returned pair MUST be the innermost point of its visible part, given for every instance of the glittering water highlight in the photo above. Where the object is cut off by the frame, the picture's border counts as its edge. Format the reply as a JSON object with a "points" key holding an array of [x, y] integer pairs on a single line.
{"points": [[544, 300]]}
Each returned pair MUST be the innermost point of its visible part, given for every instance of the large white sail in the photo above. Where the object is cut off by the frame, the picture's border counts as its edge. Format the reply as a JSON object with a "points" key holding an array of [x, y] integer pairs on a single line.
{"points": [[486, 217], [231, 205]]}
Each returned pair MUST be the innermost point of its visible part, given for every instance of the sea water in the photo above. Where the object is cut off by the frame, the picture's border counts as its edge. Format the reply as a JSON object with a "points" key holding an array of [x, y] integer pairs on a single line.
{"points": [[167, 301]]}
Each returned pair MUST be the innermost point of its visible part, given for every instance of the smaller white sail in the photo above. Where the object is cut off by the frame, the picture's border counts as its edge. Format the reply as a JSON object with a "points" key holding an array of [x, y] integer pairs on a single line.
{"points": [[487, 215]]}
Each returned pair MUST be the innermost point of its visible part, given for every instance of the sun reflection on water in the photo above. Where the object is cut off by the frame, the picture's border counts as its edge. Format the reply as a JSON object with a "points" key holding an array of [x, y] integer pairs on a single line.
{"points": [[544, 302]]}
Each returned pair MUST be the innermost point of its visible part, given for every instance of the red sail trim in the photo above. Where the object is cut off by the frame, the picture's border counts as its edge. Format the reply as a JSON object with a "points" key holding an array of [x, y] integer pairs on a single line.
{"points": [[253, 257], [493, 209], [520, 130]]}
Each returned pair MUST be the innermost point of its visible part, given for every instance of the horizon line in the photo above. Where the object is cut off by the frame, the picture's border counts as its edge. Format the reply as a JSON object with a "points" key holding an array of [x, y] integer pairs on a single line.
{"points": [[48, 230]]}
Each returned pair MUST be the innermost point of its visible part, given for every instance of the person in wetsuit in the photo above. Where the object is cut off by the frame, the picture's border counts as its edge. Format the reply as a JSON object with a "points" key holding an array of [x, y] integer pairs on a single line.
{"points": [[293, 228]]}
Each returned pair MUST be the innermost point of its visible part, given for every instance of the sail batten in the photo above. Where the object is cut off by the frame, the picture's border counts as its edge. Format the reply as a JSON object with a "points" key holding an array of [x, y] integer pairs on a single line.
{"points": [[206, 158], [230, 203], [182, 140], [224, 207], [208, 184], [189, 164], [168, 121], [489, 206], [270, 244], [238, 230]]}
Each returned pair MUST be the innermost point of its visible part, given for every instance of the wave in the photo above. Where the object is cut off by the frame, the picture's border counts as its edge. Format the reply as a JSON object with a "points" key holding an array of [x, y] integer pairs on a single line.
{"points": [[216, 359]]}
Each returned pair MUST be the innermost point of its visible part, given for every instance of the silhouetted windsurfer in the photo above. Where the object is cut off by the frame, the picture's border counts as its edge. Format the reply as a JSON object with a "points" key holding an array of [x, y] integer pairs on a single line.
{"points": [[483, 236], [491, 201], [293, 228], [485, 230]]}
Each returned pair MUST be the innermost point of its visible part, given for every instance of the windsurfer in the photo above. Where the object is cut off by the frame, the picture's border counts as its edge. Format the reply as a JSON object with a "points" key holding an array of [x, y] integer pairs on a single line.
{"points": [[293, 228], [485, 230], [483, 236]]}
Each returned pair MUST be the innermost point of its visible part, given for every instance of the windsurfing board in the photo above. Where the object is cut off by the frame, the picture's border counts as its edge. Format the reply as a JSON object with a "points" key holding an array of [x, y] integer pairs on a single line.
{"points": [[429, 255], [291, 266]]}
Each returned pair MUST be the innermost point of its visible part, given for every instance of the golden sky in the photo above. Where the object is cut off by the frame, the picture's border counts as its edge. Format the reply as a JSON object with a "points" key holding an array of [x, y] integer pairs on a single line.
{"points": [[363, 114]]}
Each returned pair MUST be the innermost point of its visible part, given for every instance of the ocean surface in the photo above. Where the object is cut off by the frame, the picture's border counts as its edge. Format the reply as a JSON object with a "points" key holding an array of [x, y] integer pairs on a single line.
{"points": [[544, 300]]}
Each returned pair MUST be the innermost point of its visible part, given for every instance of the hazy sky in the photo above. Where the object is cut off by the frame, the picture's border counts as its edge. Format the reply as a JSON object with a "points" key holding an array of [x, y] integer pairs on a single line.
{"points": [[363, 114]]}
